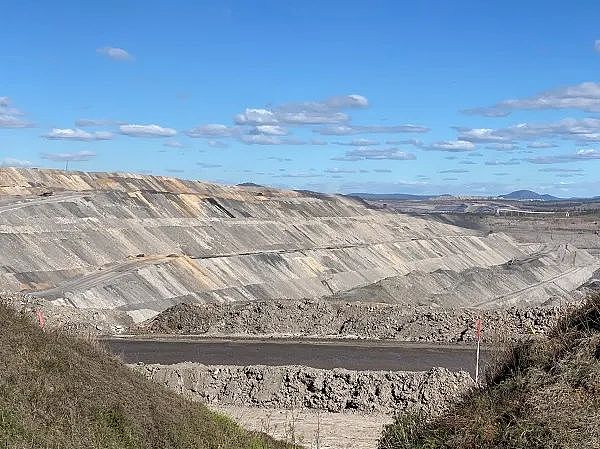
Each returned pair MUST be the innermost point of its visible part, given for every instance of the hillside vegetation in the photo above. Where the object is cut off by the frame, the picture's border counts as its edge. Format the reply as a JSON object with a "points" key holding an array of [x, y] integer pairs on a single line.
{"points": [[60, 392], [543, 394]]}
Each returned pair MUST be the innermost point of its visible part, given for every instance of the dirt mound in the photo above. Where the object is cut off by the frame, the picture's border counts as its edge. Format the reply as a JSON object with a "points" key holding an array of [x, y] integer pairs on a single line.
{"points": [[293, 387], [339, 319]]}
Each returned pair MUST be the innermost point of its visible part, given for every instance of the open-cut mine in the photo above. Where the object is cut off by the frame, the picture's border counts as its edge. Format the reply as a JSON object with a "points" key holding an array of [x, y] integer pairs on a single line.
{"points": [[116, 253]]}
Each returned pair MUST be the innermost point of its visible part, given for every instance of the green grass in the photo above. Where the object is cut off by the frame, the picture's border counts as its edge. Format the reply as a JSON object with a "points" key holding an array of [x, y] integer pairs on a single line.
{"points": [[59, 392], [540, 394]]}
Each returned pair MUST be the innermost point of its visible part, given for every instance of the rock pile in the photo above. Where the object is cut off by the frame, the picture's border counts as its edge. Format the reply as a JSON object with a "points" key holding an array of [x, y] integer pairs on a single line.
{"points": [[337, 319], [297, 387]]}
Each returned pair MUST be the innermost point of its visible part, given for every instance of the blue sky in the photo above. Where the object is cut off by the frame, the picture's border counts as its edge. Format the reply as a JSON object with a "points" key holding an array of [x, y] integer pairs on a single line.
{"points": [[420, 97]]}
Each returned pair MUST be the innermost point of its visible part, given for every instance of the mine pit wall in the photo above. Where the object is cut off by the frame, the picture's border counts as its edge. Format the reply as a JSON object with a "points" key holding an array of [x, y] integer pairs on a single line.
{"points": [[75, 247], [299, 387]]}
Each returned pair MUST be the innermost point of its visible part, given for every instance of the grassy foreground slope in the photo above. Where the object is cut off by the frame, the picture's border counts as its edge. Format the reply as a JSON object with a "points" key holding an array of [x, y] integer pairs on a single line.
{"points": [[543, 394], [60, 392]]}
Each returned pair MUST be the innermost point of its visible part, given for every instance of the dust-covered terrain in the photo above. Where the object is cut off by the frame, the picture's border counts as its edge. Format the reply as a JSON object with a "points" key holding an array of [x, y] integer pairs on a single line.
{"points": [[149, 257]]}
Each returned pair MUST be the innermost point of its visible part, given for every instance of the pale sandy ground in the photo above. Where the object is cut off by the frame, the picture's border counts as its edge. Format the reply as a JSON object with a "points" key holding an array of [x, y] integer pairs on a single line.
{"points": [[312, 429]]}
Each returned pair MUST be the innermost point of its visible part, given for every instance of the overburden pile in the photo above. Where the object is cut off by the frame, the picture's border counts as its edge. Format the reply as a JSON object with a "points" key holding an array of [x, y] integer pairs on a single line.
{"points": [[541, 394], [60, 392]]}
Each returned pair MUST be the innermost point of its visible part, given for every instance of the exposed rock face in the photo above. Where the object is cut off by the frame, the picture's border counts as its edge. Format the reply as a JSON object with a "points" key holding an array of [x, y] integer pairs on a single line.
{"points": [[301, 387], [143, 243]]}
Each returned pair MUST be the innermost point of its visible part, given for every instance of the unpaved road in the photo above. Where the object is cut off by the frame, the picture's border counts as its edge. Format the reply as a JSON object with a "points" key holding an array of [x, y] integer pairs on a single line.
{"points": [[324, 354]]}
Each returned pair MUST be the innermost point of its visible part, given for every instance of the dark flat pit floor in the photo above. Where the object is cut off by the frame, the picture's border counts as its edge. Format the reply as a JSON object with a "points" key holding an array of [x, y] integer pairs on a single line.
{"points": [[327, 355]]}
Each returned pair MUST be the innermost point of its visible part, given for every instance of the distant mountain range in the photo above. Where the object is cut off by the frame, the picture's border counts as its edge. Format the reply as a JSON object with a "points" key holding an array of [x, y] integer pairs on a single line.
{"points": [[523, 195], [517, 195]]}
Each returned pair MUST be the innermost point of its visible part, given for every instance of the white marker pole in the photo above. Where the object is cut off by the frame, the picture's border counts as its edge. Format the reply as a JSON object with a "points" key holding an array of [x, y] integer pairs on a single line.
{"points": [[478, 326]]}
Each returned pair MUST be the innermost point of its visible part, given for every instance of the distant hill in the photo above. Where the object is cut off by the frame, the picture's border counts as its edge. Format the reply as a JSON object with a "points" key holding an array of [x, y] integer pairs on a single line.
{"points": [[397, 196], [528, 195]]}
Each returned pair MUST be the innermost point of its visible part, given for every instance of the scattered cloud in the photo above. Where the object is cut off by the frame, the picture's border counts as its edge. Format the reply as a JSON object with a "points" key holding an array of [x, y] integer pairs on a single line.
{"points": [[359, 143], [256, 117], [146, 131], [454, 170], [540, 145], [270, 130], [85, 122], [64, 157], [584, 96], [347, 130], [375, 154], [11, 117], [479, 135], [323, 112], [338, 170], [174, 170], [213, 130], [173, 144], [115, 53], [77, 134], [501, 174], [280, 159], [207, 165], [502, 146], [468, 162], [12, 162], [581, 155], [509, 162], [216, 144], [597, 45], [561, 170], [453, 146], [581, 130]]}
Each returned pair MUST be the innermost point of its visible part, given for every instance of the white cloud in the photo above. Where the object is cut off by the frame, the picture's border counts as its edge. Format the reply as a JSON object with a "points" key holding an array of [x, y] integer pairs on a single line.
{"points": [[359, 143], [338, 170], [312, 118], [207, 165], [63, 157], [455, 170], [270, 130], [538, 145], [260, 139], [479, 135], [115, 53], [583, 130], [173, 144], [12, 162], [580, 155], [11, 117], [502, 146], [212, 130], [451, 145], [505, 163], [146, 131], [84, 122], [216, 144], [346, 130], [584, 96], [77, 134], [256, 117], [375, 154]]}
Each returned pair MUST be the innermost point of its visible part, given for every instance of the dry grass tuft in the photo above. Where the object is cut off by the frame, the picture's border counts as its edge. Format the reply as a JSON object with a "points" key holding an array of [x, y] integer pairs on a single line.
{"points": [[58, 392], [541, 394]]}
